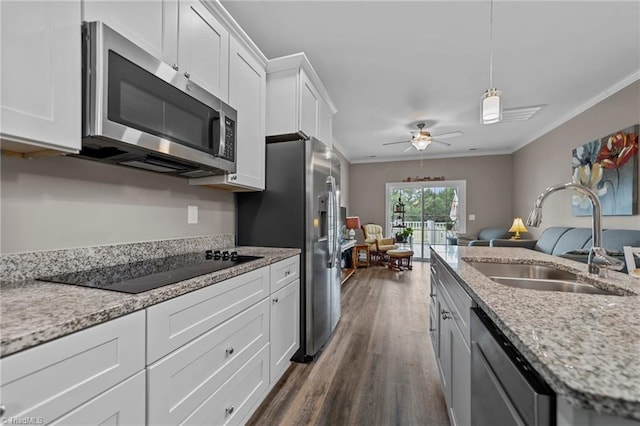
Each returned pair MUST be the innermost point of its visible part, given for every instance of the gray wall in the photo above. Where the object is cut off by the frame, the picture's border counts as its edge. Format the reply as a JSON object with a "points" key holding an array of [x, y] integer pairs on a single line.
{"points": [[488, 187], [61, 202], [547, 161]]}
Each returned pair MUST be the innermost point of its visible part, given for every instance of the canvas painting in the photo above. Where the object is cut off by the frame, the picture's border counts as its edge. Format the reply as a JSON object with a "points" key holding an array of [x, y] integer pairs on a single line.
{"points": [[609, 166]]}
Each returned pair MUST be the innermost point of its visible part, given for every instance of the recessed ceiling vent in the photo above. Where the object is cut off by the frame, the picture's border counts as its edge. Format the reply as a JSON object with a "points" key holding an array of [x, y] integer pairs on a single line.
{"points": [[521, 113]]}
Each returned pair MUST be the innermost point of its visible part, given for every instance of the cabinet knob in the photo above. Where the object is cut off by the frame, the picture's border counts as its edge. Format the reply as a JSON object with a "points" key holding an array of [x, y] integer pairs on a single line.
{"points": [[229, 350], [287, 273], [3, 410], [275, 300], [234, 177], [445, 314], [186, 74], [229, 409], [175, 67]]}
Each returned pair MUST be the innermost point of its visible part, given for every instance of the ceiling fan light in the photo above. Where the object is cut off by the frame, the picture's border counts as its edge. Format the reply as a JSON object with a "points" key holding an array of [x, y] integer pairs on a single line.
{"points": [[491, 106], [420, 143]]}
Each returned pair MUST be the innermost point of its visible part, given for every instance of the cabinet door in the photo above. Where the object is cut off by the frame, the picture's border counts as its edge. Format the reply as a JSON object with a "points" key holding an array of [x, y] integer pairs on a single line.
{"points": [[121, 405], [460, 377], [203, 48], [153, 25], [247, 96], [54, 378], [285, 327], [40, 81], [325, 132], [308, 106], [444, 349]]}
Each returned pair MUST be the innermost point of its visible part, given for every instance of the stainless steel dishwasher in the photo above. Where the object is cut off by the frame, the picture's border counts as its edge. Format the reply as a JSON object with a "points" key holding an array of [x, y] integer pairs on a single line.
{"points": [[505, 389]]}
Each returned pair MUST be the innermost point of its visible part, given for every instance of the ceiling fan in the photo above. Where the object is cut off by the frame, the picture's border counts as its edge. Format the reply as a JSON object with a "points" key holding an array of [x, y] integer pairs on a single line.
{"points": [[423, 139]]}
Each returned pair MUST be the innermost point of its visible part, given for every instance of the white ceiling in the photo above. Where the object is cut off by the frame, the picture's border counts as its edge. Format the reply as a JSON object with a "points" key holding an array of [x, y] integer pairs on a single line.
{"points": [[388, 65]]}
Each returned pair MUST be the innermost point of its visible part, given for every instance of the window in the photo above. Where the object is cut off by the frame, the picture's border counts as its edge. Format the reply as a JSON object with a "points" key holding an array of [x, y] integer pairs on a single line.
{"points": [[434, 210]]}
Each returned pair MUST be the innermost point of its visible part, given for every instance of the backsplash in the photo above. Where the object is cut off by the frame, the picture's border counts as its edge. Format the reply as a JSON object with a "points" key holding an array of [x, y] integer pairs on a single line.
{"points": [[23, 266]]}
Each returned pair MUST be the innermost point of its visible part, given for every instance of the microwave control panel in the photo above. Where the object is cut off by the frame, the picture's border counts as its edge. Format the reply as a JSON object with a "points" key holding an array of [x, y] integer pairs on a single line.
{"points": [[229, 139]]}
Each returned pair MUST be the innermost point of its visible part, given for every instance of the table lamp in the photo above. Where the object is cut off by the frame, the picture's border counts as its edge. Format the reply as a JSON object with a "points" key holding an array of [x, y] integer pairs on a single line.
{"points": [[517, 227], [353, 222]]}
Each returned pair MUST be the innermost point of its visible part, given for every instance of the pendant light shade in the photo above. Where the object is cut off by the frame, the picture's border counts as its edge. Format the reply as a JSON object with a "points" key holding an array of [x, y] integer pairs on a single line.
{"points": [[420, 143], [491, 106]]}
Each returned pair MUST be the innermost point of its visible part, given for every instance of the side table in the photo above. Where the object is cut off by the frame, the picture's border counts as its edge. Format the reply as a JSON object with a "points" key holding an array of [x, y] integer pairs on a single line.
{"points": [[359, 261]]}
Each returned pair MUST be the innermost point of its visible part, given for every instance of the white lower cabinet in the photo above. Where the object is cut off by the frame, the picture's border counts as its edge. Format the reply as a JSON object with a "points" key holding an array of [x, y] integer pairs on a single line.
{"points": [[182, 384], [52, 380], [450, 329], [121, 405], [237, 340], [285, 327]]}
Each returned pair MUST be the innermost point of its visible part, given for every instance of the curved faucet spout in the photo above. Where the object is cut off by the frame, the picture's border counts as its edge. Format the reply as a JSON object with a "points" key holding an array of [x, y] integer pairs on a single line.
{"points": [[596, 253], [535, 217]]}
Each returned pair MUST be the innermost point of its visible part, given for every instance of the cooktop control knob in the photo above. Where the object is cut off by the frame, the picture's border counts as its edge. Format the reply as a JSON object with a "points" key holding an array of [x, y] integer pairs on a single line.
{"points": [[225, 255], [234, 255], [209, 254], [216, 255]]}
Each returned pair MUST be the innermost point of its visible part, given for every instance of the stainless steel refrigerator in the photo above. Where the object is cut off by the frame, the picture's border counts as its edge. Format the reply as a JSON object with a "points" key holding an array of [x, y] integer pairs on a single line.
{"points": [[300, 209]]}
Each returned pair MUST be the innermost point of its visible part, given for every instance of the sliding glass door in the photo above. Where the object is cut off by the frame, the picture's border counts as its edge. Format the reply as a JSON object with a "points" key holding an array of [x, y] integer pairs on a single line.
{"points": [[434, 211]]}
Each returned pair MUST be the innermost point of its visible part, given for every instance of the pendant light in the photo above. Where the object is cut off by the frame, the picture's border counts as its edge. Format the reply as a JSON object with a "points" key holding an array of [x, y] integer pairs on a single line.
{"points": [[491, 101]]}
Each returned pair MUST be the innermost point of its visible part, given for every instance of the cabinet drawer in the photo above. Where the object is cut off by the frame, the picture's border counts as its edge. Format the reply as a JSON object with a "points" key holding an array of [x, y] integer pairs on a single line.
{"points": [[234, 401], [54, 378], [175, 322], [184, 380], [284, 272], [120, 405]]}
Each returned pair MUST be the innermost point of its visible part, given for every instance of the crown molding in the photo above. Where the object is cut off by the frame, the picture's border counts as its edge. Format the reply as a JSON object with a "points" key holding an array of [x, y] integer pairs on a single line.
{"points": [[630, 79], [415, 157]]}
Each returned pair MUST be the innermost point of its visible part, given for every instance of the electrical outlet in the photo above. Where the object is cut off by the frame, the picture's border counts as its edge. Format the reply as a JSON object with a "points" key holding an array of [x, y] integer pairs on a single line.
{"points": [[472, 217], [192, 214]]}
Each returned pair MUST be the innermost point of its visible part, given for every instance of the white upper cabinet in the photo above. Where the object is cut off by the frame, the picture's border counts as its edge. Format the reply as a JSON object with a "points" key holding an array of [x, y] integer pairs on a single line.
{"points": [[203, 50], [297, 102], [153, 25], [40, 107], [247, 81], [184, 34]]}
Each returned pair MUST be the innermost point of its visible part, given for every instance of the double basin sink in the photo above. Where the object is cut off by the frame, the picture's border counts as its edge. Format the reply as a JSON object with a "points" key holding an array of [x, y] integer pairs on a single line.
{"points": [[536, 277]]}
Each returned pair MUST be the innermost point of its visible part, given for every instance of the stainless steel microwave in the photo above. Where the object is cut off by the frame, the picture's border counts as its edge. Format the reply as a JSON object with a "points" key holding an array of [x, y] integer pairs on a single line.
{"points": [[140, 112]]}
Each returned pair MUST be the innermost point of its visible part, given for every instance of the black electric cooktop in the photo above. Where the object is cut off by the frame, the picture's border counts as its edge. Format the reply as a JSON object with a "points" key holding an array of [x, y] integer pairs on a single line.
{"points": [[146, 275]]}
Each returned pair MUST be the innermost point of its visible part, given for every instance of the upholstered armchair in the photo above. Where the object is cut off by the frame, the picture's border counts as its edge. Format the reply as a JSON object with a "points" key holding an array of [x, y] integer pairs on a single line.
{"points": [[378, 244]]}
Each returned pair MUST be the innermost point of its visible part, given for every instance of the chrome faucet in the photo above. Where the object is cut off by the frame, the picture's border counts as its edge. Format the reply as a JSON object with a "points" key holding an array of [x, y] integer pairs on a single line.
{"points": [[598, 260]]}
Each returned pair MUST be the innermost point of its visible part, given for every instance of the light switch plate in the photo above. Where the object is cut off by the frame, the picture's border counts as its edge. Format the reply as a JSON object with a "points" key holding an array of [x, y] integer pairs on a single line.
{"points": [[192, 214], [472, 217]]}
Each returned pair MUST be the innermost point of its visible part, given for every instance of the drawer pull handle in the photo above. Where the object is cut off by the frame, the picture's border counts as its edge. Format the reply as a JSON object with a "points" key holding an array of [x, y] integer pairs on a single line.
{"points": [[229, 350], [445, 314], [287, 273], [229, 409]]}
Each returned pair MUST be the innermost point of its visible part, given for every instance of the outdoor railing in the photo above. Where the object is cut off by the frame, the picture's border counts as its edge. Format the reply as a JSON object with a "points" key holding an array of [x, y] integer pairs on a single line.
{"points": [[436, 234]]}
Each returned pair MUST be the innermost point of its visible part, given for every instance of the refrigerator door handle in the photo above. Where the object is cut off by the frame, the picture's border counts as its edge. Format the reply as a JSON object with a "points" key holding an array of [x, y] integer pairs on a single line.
{"points": [[334, 209]]}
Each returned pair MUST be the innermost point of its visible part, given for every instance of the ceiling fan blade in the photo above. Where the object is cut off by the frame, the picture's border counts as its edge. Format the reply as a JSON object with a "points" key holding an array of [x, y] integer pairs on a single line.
{"points": [[443, 143], [448, 135], [407, 148], [394, 143]]}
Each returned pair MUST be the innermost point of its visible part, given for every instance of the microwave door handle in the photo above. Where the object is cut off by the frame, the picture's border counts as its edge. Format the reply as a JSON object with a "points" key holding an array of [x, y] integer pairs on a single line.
{"points": [[222, 138]]}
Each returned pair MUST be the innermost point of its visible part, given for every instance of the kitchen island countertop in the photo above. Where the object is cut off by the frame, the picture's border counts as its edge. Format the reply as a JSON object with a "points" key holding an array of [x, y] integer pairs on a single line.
{"points": [[35, 312], [585, 346]]}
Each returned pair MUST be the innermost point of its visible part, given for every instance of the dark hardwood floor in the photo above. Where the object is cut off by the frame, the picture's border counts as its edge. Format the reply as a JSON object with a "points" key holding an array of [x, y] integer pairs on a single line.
{"points": [[378, 368]]}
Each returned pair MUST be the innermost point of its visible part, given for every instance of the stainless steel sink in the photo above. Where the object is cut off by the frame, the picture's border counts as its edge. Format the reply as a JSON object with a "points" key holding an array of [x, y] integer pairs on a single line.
{"points": [[535, 277]]}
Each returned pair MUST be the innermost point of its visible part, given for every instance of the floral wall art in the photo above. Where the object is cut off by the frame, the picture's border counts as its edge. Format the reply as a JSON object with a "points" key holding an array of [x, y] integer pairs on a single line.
{"points": [[609, 166]]}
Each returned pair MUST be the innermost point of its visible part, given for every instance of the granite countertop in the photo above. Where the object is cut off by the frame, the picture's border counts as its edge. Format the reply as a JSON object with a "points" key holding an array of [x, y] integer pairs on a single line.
{"points": [[586, 346], [35, 312]]}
